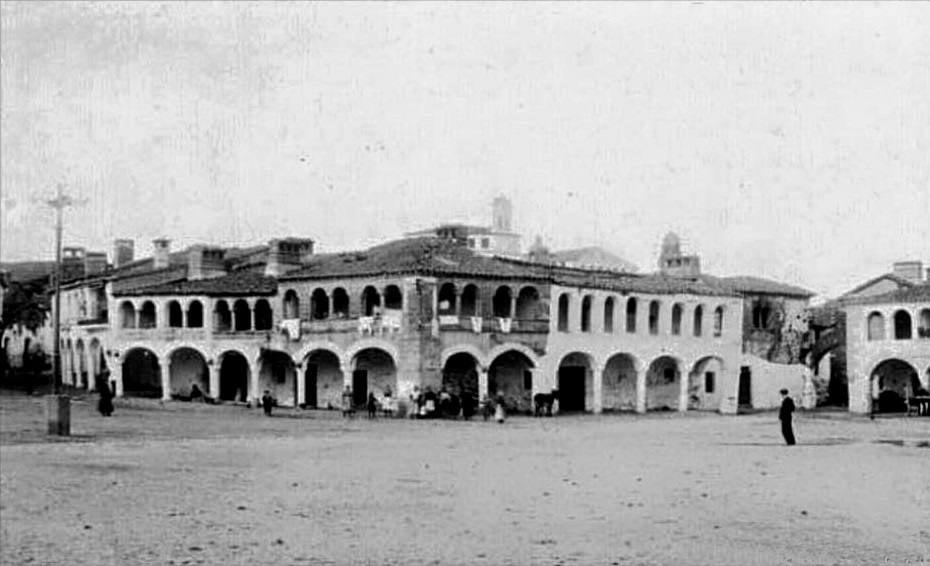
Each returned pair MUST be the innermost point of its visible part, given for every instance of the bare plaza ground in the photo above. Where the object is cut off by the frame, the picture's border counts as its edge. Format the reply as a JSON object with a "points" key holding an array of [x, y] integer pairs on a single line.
{"points": [[195, 484]]}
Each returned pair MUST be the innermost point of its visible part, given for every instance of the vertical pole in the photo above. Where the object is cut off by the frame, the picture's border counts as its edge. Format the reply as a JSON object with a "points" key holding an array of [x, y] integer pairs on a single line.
{"points": [[56, 356]]}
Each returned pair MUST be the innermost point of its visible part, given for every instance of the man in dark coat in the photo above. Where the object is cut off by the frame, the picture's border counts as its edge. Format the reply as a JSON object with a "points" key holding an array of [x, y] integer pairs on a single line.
{"points": [[267, 403], [105, 404], [784, 415]]}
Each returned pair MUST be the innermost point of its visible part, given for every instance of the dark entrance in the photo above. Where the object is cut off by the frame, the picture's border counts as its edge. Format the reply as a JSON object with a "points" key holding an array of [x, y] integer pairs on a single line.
{"points": [[359, 387], [745, 387], [141, 374], [234, 377], [310, 376], [571, 388]]}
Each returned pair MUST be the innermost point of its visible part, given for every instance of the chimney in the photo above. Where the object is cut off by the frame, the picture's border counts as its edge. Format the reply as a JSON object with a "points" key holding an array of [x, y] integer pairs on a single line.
{"points": [[161, 253], [95, 262], [122, 252], [205, 262], [287, 254], [913, 271]]}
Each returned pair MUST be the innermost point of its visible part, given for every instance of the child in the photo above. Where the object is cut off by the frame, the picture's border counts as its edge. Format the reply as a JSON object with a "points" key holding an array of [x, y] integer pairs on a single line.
{"points": [[372, 405]]}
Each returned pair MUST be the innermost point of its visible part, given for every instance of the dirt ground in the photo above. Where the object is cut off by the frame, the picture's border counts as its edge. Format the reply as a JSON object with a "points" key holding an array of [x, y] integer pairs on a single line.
{"points": [[195, 484]]}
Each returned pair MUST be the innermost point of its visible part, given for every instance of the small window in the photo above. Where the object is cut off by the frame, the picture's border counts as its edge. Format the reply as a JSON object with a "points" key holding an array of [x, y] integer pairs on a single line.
{"points": [[485, 243], [471, 243], [709, 382], [527, 379]]}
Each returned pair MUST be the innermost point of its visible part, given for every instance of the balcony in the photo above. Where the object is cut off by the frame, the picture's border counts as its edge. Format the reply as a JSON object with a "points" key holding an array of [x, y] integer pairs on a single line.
{"points": [[480, 325]]}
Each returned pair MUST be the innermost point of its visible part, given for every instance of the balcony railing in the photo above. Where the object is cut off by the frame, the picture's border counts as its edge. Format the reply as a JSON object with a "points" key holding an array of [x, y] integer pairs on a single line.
{"points": [[495, 324]]}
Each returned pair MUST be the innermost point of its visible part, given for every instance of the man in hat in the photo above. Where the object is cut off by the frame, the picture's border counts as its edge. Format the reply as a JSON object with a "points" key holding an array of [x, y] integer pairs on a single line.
{"points": [[784, 415]]}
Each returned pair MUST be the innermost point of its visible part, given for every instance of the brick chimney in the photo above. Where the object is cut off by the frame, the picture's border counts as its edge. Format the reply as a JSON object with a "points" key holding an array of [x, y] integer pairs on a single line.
{"points": [[205, 262], [913, 271], [161, 253], [287, 254], [94, 263], [123, 252]]}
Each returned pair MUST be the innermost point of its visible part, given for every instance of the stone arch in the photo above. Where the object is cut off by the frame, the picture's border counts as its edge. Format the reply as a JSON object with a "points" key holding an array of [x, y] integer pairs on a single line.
{"points": [[277, 375], [469, 349], [564, 312], [460, 373], [96, 359], [447, 298], [704, 383], [528, 303], [340, 303], [698, 321], [148, 315], [175, 315], [319, 304], [234, 376], [242, 315], [371, 300], [187, 366], [903, 325], [141, 373], [517, 347], [374, 370], [508, 374], [195, 314], [222, 317], [655, 308], [127, 315], [923, 325], [631, 307], [575, 382], [500, 302], [619, 382], [892, 380], [875, 326], [663, 383], [718, 321], [264, 318], [393, 298], [469, 301], [368, 343], [677, 314], [291, 304], [587, 303], [323, 376], [81, 366], [609, 308]]}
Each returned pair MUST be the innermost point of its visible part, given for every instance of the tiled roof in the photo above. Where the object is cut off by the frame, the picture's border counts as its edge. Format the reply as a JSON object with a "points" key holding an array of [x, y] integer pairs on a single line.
{"points": [[915, 294], [752, 285], [435, 256], [902, 282], [595, 255], [237, 284]]}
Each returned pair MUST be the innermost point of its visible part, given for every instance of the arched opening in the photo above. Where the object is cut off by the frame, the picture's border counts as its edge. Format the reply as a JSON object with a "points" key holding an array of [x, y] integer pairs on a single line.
{"points": [[323, 380], [460, 375], [175, 315], [923, 329], [81, 363], [619, 383], [902, 325], [470, 300], [371, 300], [242, 315], [718, 321], [373, 370], [893, 381], [97, 363], [319, 305], [510, 377], [500, 303], [631, 315], [876, 329], [291, 305], [141, 374], [340, 303], [187, 367], [528, 306], [704, 392], [263, 315], [195, 315], [127, 315], [663, 384], [575, 383], [222, 317], [609, 315], [277, 376], [654, 317], [234, 377], [585, 317], [698, 320], [677, 310], [447, 299], [147, 315], [563, 312], [761, 314], [393, 299]]}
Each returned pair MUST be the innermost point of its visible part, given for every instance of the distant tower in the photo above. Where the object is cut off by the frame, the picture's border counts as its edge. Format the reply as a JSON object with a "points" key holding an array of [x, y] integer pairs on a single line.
{"points": [[675, 264], [503, 213], [671, 248]]}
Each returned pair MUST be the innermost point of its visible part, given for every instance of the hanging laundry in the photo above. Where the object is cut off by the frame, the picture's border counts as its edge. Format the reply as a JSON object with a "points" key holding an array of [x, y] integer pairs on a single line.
{"points": [[504, 324], [476, 324], [291, 327]]}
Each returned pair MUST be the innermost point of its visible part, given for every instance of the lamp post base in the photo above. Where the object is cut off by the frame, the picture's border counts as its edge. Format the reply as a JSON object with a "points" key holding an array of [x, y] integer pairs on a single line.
{"points": [[58, 414]]}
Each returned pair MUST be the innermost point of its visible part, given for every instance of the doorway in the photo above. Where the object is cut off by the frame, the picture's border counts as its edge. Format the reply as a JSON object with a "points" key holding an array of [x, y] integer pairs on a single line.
{"points": [[360, 387], [744, 397], [310, 377], [571, 388]]}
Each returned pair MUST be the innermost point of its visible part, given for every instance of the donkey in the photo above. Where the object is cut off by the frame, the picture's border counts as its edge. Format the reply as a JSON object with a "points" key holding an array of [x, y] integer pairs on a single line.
{"points": [[544, 401]]}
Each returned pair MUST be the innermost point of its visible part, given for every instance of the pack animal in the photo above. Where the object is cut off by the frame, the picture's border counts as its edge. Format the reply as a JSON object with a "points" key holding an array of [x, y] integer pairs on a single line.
{"points": [[544, 402]]}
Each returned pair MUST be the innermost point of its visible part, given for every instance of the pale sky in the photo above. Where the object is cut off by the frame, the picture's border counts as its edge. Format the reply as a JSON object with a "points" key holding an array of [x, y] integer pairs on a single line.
{"points": [[789, 141]]}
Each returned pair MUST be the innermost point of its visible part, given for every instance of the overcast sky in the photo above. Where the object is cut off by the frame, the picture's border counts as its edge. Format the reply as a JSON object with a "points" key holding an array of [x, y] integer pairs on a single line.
{"points": [[789, 141]]}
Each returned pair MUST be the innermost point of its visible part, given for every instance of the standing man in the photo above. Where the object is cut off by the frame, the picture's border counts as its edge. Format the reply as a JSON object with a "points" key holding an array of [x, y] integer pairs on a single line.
{"points": [[784, 415]]}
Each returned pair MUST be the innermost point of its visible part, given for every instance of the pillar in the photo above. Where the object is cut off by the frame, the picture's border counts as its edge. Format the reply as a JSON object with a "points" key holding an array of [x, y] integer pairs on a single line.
{"points": [[457, 307], [640, 390], [598, 385], [116, 376], [483, 383], [254, 393], [513, 306], [301, 379], [89, 364], [214, 386], [165, 366], [685, 379]]}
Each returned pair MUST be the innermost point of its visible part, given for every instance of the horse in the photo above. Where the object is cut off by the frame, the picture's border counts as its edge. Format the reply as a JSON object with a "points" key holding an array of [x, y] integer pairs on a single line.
{"points": [[544, 401]]}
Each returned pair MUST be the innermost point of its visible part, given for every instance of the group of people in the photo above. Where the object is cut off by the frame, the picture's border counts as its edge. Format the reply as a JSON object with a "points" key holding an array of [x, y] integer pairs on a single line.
{"points": [[427, 404]]}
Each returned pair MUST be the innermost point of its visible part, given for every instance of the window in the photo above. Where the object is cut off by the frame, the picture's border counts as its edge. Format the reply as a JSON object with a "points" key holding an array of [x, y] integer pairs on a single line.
{"points": [[631, 315], [222, 317], [609, 315], [501, 302], [718, 321], [876, 330], [902, 325], [527, 379], [485, 243], [242, 315], [654, 317], [195, 315], [291, 304], [586, 314], [563, 312], [698, 319], [263, 315], [446, 299], [393, 299], [319, 304], [709, 382], [676, 319], [470, 300], [923, 331], [340, 303], [175, 317], [471, 243]]}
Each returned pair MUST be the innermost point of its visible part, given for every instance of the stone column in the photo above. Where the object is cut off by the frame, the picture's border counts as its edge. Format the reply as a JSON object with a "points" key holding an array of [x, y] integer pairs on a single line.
{"points": [[116, 376], [457, 307], [301, 384], [598, 385], [640, 390], [214, 385], [255, 393], [165, 366], [513, 307], [89, 364], [483, 383], [685, 378]]}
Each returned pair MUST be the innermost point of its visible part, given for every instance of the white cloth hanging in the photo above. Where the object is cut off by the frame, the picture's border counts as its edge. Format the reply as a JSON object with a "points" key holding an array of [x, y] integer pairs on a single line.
{"points": [[476, 324], [291, 327], [505, 324], [365, 324]]}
